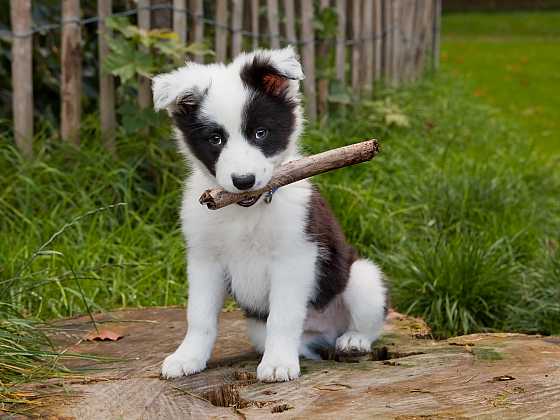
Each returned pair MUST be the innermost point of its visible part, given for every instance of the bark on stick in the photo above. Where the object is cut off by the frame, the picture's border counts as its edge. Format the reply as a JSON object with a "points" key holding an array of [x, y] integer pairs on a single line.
{"points": [[297, 170]]}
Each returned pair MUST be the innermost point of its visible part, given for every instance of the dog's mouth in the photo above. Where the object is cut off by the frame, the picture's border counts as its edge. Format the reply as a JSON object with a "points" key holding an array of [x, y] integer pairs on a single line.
{"points": [[248, 202]]}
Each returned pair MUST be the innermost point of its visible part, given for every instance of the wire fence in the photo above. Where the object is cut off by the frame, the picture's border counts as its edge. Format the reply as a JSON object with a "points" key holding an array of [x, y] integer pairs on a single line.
{"points": [[50, 27], [374, 40]]}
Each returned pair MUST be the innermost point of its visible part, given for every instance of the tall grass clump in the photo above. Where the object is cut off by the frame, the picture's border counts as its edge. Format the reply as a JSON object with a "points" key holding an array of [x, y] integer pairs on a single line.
{"points": [[119, 243], [26, 354]]}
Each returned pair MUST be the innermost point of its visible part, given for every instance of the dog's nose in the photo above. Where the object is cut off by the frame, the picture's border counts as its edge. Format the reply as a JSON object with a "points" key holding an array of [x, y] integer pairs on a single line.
{"points": [[243, 182]]}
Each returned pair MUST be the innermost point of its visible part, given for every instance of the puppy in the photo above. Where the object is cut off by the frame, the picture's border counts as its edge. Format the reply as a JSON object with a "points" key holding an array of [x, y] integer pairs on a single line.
{"points": [[282, 256]]}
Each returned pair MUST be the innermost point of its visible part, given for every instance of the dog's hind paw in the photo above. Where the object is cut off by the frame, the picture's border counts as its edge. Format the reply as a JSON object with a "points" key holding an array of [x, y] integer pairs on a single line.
{"points": [[277, 372], [175, 366], [351, 342]]}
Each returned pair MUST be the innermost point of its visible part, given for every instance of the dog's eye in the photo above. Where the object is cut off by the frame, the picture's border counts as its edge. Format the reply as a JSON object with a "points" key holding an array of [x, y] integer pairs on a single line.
{"points": [[215, 140], [261, 133]]}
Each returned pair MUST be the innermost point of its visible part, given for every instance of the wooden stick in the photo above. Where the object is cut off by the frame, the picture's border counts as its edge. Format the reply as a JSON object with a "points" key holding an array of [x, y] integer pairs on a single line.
{"points": [[297, 170]]}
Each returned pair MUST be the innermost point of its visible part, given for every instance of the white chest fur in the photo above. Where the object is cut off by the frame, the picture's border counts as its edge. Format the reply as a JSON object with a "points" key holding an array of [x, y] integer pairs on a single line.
{"points": [[248, 241]]}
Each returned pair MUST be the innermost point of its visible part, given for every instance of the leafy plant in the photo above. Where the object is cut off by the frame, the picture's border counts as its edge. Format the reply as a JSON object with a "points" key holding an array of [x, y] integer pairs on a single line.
{"points": [[136, 52]]}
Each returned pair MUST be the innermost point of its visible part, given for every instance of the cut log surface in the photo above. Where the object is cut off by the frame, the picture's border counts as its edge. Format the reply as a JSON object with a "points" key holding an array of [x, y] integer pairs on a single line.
{"points": [[407, 375]]}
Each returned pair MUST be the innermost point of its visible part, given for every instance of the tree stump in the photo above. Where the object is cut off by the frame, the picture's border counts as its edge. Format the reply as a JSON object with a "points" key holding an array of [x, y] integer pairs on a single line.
{"points": [[406, 375]]}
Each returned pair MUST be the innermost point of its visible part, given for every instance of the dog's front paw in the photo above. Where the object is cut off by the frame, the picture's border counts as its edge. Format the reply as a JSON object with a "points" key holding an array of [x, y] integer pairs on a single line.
{"points": [[350, 342], [175, 365], [271, 371]]}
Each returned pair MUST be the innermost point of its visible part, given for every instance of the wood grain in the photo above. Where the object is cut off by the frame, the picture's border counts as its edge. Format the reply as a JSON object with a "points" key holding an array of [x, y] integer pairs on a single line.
{"points": [[297, 170], [407, 375]]}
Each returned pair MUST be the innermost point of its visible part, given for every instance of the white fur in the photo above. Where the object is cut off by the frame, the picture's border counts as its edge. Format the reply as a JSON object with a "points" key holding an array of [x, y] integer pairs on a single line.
{"points": [[263, 250]]}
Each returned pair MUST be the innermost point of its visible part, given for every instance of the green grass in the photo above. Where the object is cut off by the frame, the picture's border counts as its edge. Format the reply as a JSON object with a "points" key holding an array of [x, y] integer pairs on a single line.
{"points": [[461, 213], [513, 61]]}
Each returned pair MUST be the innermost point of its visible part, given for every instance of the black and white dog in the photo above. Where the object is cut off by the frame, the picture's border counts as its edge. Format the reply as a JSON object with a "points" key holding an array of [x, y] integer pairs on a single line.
{"points": [[285, 260]]}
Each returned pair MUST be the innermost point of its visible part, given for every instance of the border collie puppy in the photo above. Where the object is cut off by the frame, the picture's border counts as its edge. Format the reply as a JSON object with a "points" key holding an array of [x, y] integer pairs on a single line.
{"points": [[282, 256]]}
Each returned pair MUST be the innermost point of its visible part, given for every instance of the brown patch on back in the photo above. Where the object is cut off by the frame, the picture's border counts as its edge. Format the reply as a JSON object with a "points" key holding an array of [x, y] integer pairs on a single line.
{"points": [[337, 256]]}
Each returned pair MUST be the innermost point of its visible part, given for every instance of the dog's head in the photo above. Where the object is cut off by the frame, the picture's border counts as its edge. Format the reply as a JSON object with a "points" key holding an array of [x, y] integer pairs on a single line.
{"points": [[239, 121]]}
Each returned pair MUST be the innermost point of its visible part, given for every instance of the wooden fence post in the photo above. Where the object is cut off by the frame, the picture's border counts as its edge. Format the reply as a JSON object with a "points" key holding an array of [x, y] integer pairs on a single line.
{"points": [[323, 82], [144, 85], [308, 40], [387, 40], [378, 34], [221, 31], [357, 44], [341, 40], [22, 75], [106, 81], [71, 65], [411, 40], [290, 22], [368, 34], [255, 23], [436, 22], [180, 19], [198, 19], [397, 42], [273, 25], [237, 25]]}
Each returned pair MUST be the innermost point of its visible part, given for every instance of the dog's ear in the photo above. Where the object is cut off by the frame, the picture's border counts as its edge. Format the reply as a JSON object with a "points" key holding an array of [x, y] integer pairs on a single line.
{"points": [[274, 72], [181, 88]]}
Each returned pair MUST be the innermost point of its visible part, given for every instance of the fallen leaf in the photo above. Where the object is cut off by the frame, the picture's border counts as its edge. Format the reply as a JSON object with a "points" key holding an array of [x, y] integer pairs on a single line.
{"points": [[103, 334]]}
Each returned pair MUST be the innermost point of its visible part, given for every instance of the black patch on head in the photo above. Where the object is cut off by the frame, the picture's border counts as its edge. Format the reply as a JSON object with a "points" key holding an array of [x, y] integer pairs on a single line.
{"points": [[198, 130], [336, 255], [268, 107]]}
